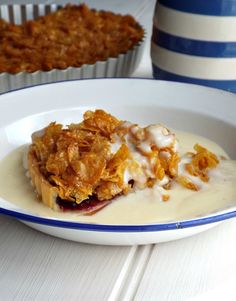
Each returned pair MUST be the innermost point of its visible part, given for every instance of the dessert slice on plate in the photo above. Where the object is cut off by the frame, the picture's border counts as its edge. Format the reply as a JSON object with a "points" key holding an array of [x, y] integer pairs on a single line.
{"points": [[85, 166]]}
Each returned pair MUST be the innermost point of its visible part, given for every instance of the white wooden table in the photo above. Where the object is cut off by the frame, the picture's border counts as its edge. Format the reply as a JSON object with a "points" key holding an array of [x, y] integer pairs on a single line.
{"points": [[34, 266]]}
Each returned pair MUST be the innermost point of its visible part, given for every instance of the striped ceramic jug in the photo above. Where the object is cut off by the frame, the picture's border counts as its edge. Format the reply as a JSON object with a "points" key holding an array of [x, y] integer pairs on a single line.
{"points": [[194, 41]]}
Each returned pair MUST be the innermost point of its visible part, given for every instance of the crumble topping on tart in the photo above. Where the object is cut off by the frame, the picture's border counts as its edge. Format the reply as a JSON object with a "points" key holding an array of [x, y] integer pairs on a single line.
{"points": [[84, 166], [70, 37]]}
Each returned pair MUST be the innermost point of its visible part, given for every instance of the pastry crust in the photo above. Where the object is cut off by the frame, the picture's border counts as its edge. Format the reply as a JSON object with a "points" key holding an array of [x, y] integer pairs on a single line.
{"points": [[46, 192]]}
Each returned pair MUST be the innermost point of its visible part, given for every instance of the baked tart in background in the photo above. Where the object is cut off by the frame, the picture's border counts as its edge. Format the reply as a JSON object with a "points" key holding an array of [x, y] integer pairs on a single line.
{"points": [[48, 43]]}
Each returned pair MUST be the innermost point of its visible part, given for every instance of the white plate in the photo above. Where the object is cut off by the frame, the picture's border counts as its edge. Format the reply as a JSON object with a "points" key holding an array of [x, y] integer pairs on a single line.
{"points": [[200, 110]]}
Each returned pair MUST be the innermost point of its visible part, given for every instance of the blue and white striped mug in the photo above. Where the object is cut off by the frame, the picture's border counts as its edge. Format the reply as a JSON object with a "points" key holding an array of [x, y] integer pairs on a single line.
{"points": [[194, 41]]}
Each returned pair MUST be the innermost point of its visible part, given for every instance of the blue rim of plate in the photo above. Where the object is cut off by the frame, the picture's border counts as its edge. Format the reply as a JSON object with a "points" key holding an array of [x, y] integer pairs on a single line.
{"points": [[117, 228], [200, 86], [114, 228]]}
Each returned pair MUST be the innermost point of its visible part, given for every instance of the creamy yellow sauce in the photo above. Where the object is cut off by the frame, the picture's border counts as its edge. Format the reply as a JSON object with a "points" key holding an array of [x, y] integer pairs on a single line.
{"points": [[140, 207]]}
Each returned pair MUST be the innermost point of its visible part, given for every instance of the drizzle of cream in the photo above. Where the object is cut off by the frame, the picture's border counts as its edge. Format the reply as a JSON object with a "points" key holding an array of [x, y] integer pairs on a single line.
{"points": [[160, 136], [153, 135]]}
